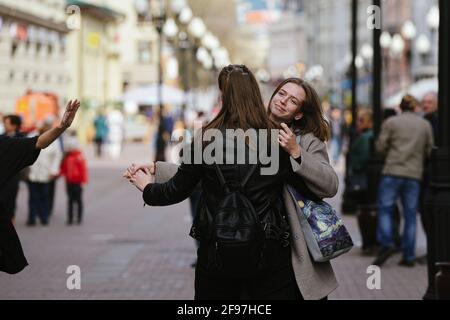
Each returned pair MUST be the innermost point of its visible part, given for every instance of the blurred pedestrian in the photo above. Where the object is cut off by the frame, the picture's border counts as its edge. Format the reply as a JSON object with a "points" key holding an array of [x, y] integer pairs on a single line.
{"points": [[12, 125], [406, 141], [338, 131], [15, 154], [163, 136], [115, 121], [360, 155], [430, 111], [42, 172], [74, 169], [101, 133]]}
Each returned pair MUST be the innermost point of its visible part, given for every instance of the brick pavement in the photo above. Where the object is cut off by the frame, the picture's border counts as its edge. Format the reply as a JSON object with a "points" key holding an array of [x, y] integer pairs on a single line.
{"points": [[126, 251]]}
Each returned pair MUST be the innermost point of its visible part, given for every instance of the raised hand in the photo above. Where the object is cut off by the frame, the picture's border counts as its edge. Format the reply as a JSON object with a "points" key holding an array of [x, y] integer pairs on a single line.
{"points": [[69, 114]]}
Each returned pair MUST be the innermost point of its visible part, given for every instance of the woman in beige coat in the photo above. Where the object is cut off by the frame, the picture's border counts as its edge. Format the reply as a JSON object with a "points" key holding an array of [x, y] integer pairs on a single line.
{"points": [[296, 106]]}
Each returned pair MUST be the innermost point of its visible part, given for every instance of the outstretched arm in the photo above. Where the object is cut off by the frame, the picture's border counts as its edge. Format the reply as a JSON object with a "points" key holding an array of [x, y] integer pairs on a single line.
{"points": [[51, 135]]}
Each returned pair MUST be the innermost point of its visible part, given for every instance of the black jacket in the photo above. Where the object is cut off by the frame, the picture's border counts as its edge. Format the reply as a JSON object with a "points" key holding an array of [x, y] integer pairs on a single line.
{"points": [[264, 191], [15, 154]]}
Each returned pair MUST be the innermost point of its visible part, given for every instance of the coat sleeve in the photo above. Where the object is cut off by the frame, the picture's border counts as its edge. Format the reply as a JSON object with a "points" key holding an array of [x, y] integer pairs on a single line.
{"points": [[164, 171], [383, 141], [177, 189], [315, 169]]}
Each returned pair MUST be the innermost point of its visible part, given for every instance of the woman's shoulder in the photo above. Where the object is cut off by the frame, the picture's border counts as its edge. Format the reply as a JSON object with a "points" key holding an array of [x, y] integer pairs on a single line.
{"points": [[309, 140]]}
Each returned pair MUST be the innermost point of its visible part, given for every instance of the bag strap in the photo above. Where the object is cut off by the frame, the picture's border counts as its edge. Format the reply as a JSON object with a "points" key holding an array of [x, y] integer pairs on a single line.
{"points": [[223, 182], [220, 175]]}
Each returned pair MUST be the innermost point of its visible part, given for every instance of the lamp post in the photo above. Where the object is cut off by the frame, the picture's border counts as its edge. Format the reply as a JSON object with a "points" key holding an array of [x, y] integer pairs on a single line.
{"points": [[159, 18], [348, 203], [423, 47], [433, 20], [183, 15], [437, 204]]}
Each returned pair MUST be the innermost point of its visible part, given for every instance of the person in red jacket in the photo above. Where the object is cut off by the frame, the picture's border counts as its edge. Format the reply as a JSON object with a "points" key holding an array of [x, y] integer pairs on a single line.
{"points": [[74, 169]]}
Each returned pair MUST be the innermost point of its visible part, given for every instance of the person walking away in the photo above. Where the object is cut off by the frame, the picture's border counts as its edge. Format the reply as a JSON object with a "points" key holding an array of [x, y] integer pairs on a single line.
{"points": [[101, 133], [12, 125], [74, 169], [406, 142], [337, 134], [45, 169], [115, 122]]}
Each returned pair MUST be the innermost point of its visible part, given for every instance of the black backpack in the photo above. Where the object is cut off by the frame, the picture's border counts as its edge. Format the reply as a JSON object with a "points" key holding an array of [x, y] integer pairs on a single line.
{"points": [[235, 234]]}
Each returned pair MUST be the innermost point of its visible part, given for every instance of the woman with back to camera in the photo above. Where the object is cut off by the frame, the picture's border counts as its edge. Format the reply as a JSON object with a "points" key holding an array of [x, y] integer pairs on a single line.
{"points": [[242, 109], [295, 105]]}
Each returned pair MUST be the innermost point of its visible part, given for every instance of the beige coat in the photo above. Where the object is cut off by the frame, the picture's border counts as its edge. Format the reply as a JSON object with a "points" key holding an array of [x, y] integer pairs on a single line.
{"points": [[406, 141], [315, 280]]}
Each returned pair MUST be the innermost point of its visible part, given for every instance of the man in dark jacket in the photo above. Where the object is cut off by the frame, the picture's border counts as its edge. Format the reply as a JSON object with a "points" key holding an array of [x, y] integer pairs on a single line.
{"points": [[12, 124]]}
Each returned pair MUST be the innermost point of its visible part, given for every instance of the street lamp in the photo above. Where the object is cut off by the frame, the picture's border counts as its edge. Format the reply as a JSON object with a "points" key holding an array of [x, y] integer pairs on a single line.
{"points": [[433, 21], [423, 47], [385, 40], [433, 18], [170, 28], [409, 30], [397, 45]]}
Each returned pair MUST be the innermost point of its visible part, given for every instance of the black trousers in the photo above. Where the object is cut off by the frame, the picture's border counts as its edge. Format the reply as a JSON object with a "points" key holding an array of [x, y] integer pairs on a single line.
{"points": [[276, 282], [74, 193]]}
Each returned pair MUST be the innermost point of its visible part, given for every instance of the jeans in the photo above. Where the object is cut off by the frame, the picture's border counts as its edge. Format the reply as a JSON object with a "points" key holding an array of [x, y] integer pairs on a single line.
{"points": [[336, 148], [39, 202], [408, 190], [74, 193]]}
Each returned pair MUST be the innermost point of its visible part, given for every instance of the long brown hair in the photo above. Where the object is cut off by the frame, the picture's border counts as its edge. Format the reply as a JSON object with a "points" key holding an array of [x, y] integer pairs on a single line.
{"points": [[242, 104], [313, 120]]}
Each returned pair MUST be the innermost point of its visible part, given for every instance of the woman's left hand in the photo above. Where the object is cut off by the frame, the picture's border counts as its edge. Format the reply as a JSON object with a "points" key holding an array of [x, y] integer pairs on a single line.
{"points": [[141, 179], [288, 142]]}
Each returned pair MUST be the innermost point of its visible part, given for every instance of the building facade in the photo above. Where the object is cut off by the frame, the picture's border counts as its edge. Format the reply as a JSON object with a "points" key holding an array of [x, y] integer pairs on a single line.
{"points": [[33, 50]]}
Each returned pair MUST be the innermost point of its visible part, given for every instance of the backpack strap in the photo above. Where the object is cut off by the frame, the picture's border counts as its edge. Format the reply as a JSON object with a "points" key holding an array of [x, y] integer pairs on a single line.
{"points": [[222, 181], [249, 174]]}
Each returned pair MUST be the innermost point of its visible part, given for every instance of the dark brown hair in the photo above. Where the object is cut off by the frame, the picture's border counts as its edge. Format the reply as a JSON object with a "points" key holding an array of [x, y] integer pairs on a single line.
{"points": [[313, 120], [242, 104]]}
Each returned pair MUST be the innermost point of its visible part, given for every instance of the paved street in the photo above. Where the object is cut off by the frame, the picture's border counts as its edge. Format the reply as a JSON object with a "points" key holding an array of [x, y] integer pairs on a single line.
{"points": [[126, 251]]}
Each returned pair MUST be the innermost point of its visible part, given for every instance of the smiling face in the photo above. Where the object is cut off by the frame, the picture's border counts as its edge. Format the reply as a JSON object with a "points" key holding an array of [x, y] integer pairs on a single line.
{"points": [[286, 103]]}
